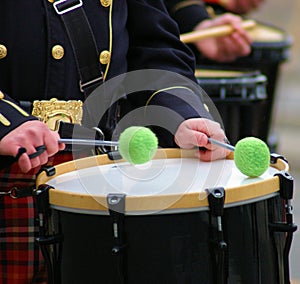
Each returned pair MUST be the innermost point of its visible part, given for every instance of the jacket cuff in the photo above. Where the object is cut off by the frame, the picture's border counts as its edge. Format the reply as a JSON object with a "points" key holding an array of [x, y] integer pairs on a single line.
{"points": [[11, 115]]}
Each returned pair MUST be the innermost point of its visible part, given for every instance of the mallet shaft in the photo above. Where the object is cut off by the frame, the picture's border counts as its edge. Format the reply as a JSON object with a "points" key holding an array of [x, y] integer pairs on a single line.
{"points": [[221, 144], [88, 142]]}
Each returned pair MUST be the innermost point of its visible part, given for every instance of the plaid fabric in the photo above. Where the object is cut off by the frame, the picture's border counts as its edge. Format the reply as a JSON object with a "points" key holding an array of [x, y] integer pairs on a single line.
{"points": [[21, 261]]}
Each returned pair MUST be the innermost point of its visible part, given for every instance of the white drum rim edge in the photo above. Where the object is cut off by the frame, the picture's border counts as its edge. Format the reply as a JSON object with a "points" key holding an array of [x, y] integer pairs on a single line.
{"points": [[185, 203]]}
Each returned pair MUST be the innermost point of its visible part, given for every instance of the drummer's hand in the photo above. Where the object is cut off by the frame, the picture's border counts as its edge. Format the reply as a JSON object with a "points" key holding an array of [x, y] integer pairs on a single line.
{"points": [[242, 6], [226, 48], [195, 132], [31, 135]]}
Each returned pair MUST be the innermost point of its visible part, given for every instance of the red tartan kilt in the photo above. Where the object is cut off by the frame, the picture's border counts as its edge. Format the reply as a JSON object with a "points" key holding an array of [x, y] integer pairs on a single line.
{"points": [[21, 261]]}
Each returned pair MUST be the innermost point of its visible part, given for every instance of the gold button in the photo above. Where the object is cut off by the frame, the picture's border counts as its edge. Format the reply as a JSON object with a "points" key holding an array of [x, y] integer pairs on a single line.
{"points": [[1, 95], [58, 52], [3, 51], [104, 57], [105, 3], [51, 1]]}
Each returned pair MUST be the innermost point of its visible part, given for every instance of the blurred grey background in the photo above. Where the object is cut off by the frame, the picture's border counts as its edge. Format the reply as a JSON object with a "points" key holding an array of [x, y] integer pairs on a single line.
{"points": [[286, 111]]}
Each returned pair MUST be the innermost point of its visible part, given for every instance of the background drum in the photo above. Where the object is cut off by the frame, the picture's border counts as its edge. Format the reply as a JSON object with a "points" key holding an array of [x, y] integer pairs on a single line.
{"points": [[238, 95], [168, 230], [271, 47]]}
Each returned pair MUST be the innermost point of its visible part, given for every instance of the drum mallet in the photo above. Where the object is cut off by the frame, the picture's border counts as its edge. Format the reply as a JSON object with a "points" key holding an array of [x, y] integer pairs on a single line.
{"points": [[218, 31], [136, 144], [251, 155]]}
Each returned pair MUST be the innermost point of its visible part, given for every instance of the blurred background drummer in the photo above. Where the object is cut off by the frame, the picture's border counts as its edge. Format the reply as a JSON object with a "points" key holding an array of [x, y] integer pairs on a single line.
{"points": [[263, 49], [194, 16]]}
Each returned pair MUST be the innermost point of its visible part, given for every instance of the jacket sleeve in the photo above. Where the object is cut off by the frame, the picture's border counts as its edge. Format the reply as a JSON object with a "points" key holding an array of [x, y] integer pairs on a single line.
{"points": [[155, 44], [11, 115], [187, 13]]}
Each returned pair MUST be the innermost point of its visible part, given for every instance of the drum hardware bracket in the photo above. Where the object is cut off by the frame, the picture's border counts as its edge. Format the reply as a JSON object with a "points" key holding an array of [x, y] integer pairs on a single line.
{"points": [[275, 157], [45, 240], [286, 182], [216, 199], [49, 170], [114, 155], [116, 207], [286, 185]]}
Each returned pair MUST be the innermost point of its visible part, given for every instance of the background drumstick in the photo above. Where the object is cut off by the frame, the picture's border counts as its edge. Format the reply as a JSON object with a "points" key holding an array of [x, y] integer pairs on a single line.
{"points": [[218, 31]]}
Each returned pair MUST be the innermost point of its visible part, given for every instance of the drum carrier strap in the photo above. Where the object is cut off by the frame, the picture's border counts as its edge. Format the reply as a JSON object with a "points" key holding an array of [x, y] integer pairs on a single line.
{"points": [[85, 51], [216, 198], [83, 43], [286, 191], [116, 207]]}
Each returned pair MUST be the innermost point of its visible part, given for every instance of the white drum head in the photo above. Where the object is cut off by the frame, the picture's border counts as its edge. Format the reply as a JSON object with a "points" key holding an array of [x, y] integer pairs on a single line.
{"points": [[164, 184]]}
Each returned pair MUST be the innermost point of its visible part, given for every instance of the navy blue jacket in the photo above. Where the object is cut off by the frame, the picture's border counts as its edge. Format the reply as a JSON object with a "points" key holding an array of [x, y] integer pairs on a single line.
{"points": [[137, 34]]}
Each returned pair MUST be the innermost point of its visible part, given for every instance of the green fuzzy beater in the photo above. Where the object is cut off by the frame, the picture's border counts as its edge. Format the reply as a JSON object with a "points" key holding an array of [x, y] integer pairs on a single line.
{"points": [[137, 144], [252, 156]]}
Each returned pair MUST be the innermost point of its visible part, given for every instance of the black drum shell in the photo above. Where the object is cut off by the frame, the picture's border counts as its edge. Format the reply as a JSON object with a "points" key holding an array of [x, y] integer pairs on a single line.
{"points": [[239, 100], [174, 248]]}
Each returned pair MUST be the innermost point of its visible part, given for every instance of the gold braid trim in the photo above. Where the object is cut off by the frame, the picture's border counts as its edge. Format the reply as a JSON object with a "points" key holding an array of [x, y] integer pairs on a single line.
{"points": [[110, 39], [5, 121], [164, 90]]}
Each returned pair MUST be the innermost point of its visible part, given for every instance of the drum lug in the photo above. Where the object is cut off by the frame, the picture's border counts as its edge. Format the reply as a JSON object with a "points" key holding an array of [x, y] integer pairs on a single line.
{"points": [[275, 157], [116, 207], [288, 227], [114, 155], [216, 199], [42, 200], [49, 170], [286, 182], [47, 242]]}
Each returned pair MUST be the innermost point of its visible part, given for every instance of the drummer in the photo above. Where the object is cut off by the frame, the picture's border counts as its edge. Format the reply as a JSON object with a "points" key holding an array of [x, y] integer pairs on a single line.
{"points": [[193, 16], [37, 63]]}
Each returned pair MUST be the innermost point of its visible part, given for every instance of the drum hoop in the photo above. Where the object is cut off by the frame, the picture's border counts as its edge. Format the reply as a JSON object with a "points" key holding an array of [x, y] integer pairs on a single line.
{"points": [[137, 205], [162, 212], [233, 81], [251, 86], [286, 43], [240, 72], [273, 45]]}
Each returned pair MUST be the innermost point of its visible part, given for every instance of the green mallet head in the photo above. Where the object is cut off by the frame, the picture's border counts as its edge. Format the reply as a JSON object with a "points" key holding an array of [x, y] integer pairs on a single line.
{"points": [[252, 156], [137, 144]]}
